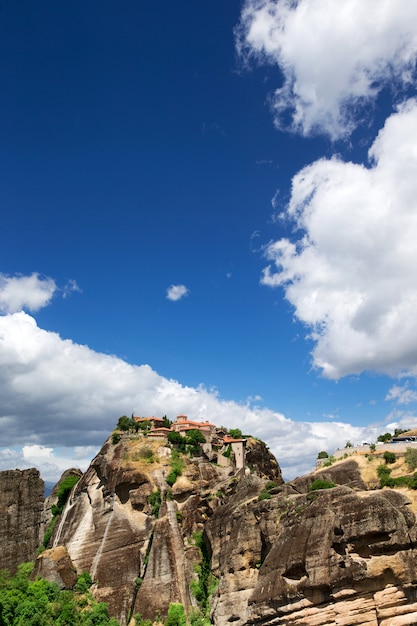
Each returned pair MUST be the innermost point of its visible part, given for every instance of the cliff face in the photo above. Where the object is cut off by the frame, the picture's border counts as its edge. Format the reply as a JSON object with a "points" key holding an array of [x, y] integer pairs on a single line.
{"points": [[281, 554], [21, 506]]}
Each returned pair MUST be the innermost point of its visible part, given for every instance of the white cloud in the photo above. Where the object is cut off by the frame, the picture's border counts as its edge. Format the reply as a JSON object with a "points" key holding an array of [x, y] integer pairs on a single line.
{"points": [[176, 292], [351, 274], [56, 393], [401, 395], [70, 287], [335, 56], [25, 292]]}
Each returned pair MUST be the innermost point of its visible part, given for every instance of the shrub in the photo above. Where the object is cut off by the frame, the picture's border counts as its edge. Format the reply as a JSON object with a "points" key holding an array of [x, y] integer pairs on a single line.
{"points": [[65, 488], [146, 454], [412, 482], [84, 582], [48, 534], [228, 452], [389, 457], [320, 483], [266, 491], [115, 438], [155, 501], [384, 475], [235, 433], [323, 455], [264, 495], [176, 615], [410, 457], [177, 465]]}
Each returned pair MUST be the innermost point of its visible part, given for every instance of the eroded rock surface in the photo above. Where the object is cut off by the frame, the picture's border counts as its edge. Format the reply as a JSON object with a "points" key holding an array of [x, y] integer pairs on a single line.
{"points": [[282, 554], [21, 506], [56, 566]]}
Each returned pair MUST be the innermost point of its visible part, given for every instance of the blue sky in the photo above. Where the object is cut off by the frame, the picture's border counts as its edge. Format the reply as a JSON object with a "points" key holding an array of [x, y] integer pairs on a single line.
{"points": [[207, 208]]}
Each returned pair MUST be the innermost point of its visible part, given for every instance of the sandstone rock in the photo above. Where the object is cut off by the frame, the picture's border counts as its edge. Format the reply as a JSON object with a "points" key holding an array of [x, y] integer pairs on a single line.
{"points": [[335, 557], [52, 500], [56, 566], [21, 506]]}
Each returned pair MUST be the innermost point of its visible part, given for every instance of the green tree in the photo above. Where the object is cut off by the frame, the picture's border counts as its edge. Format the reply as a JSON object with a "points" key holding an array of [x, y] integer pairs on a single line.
{"points": [[167, 423], [323, 455], [235, 433], [124, 423], [384, 438], [195, 437], [349, 444], [40, 603], [175, 438]]}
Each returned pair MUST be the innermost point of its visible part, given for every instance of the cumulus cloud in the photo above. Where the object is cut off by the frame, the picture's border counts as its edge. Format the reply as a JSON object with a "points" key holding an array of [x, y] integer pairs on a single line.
{"points": [[25, 292], [351, 273], [176, 292], [55, 393], [335, 56]]}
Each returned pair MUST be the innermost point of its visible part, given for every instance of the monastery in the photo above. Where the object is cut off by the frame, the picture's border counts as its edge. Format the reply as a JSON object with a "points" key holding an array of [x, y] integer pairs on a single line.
{"points": [[217, 440]]}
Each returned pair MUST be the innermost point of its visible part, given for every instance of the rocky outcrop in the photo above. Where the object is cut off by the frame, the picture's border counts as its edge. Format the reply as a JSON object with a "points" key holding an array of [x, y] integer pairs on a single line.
{"points": [[281, 553], [337, 546], [52, 499], [135, 534], [56, 566], [21, 506]]}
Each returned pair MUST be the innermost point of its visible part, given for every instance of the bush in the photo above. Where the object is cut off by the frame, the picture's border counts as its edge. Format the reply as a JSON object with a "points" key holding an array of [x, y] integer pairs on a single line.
{"points": [[41, 603], [410, 457], [177, 440], [266, 491], [384, 474], [65, 488], [389, 457], [235, 433], [323, 455], [115, 438], [176, 468], [176, 615], [84, 582], [320, 483], [155, 501], [146, 454]]}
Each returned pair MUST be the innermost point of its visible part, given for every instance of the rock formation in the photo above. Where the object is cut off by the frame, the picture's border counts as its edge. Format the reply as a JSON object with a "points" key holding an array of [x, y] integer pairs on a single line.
{"points": [[21, 506], [239, 544]]}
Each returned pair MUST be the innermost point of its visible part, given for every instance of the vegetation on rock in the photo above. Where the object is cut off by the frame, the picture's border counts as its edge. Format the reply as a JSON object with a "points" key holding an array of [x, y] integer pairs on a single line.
{"points": [[320, 483], [25, 602]]}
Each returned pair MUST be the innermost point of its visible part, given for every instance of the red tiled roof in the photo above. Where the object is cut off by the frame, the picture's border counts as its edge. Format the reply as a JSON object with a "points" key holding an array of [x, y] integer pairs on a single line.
{"points": [[228, 439]]}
